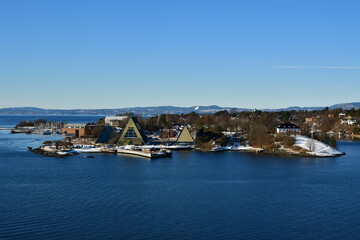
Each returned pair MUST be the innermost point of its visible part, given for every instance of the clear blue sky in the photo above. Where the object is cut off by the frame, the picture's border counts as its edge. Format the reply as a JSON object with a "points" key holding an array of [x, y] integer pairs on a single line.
{"points": [[234, 53]]}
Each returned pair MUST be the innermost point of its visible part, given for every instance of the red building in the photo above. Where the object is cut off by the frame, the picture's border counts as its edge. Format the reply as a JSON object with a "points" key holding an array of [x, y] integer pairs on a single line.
{"points": [[81, 130]]}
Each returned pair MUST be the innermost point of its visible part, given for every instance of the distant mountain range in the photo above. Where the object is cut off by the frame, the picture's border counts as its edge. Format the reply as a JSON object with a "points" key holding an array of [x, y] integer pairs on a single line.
{"points": [[151, 111]]}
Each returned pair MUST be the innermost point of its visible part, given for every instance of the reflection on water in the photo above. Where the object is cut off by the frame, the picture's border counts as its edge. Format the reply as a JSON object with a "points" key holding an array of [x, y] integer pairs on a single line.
{"points": [[193, 195]]}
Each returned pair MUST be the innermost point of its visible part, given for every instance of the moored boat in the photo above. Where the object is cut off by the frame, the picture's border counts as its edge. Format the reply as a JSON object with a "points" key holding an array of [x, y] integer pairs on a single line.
{"points": [[148, 153]]}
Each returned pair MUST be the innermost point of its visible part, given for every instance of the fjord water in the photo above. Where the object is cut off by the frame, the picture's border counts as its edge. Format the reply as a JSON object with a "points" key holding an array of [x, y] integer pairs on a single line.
{"points": [[192, 195]]}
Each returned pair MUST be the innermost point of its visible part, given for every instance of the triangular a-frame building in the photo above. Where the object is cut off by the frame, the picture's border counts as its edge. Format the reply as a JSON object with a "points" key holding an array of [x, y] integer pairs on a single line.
{"points": [[185, 137], [133, 134]]}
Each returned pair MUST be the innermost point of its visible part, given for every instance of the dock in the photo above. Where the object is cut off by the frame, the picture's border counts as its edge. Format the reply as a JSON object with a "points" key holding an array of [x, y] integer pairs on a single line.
{"points": [[147, 154], [171, 147], [4, 128]]}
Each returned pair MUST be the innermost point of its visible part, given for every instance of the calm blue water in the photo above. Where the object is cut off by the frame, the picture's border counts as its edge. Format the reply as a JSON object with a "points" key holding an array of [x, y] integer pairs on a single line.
{"points": [[190, 196]]}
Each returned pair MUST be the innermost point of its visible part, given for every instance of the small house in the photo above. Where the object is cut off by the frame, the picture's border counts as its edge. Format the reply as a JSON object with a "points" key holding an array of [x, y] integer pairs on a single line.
{"points": [[342, 115]]}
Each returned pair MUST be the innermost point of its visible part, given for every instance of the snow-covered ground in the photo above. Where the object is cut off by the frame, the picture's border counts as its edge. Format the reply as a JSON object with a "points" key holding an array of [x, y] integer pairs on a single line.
{"points": [[316, 147], [244, 148], [238, 147], [49, 148]]}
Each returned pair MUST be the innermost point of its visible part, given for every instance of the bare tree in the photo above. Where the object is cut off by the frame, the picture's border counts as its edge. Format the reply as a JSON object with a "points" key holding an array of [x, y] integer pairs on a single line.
{"points": [[311, 144]]}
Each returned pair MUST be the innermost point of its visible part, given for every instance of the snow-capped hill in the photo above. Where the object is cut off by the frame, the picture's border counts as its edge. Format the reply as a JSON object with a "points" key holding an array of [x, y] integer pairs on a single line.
{"points": [[347, 106], [316, 147]]}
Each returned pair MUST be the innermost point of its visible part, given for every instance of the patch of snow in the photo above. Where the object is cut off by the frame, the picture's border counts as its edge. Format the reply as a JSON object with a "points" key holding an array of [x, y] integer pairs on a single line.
{"points": [[316, 147], [62, 153], [196, 108], [49, 148], [87, 150], [238, 147], [244, 148]]}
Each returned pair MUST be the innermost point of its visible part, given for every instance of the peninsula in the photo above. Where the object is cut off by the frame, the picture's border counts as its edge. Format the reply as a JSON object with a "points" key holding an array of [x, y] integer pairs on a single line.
{"points": [[303, 133]]}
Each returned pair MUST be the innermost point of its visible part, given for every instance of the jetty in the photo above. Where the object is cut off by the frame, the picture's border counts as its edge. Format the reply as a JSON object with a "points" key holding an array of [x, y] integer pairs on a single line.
{"points": [[5, 128]]}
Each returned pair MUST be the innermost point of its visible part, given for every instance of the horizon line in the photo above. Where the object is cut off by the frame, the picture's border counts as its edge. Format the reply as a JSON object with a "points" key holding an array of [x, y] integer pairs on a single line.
{"points": [[194, 106], [314, 67]]}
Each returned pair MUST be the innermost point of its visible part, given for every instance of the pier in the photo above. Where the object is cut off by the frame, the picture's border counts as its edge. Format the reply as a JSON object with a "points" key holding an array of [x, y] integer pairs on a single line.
{"points": [[4, 128]]}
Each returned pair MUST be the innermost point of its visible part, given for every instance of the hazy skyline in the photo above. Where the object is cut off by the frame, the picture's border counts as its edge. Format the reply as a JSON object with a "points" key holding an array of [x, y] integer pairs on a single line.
{"points": [[113, 54]]}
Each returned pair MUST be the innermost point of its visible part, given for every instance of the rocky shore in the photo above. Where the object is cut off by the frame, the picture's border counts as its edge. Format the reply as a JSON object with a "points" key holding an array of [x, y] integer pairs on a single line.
{"points": [[42, 152]]}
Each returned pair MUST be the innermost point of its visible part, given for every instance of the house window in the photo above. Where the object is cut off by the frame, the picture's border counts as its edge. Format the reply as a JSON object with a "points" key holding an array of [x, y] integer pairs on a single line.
{"points": [[131, 133]]}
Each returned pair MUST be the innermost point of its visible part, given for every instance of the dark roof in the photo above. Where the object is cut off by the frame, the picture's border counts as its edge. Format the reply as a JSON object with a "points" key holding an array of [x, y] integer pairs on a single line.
{"points": [[105, 135], [288, 125]]}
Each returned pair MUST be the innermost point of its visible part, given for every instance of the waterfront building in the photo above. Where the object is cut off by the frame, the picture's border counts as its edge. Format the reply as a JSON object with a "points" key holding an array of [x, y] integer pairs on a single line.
{"points": [[133, 133], [80, 130], [185, 137], [74, 130], [92, 130], [114, 121]]}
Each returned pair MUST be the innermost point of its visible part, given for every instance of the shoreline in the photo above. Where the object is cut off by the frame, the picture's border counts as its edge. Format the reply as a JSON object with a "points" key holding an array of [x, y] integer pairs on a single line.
{"points": [[66, 153]]}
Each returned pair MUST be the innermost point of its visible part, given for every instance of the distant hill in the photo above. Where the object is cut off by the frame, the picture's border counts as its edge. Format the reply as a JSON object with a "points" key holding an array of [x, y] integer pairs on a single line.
{"points": [[346, 106], [151, 111], [145, 111], [296, 108]]}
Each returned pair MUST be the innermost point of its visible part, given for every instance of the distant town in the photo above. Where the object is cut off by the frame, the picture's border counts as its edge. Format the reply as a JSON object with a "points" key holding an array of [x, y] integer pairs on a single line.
{"points": [[304, 133]]}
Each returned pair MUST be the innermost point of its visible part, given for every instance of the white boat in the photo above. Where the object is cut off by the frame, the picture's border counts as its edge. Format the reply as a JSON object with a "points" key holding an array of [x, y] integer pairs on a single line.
{"points": [[145, 152]]}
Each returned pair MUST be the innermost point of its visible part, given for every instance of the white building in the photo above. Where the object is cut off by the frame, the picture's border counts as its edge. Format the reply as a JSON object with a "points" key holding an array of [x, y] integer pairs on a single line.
{"points": [[349, 121], [114, 120], [288, 128], [341, 115]]}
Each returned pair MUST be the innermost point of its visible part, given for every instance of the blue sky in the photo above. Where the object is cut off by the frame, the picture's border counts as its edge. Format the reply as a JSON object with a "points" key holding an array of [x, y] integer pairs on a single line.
{"points": [[235, 53]]}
